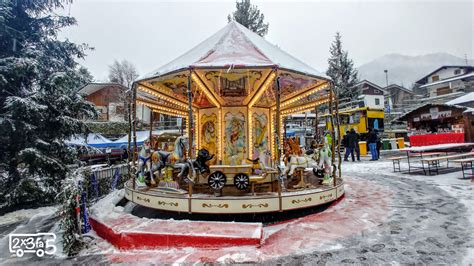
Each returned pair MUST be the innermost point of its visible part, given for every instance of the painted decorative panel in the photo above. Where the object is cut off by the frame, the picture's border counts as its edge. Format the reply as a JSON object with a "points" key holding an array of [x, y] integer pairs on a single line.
{"points": [[208, 133], [235, 145], [260, 137]]}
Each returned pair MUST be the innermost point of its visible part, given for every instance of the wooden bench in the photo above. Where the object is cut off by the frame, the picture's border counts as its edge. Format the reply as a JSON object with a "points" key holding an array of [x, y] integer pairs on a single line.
{"points": [[466, 163], [433, 165], [396, 163], [434, 162], [421, 155]]}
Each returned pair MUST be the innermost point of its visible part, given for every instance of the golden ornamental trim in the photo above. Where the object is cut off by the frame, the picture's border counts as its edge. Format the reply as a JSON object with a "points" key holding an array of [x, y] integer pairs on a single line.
{"points": [[300, 201], [249, 206], [143, 199], [220, 206], [164, 203]]}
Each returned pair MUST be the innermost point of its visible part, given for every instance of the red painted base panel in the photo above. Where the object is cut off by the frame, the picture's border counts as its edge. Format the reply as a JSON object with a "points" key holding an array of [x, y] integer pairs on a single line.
{"points": [[180, 234]]}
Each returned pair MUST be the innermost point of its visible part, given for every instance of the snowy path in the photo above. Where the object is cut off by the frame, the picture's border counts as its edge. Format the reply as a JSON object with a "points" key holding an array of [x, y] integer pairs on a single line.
{"points": [[408, 219], [430, 221]]}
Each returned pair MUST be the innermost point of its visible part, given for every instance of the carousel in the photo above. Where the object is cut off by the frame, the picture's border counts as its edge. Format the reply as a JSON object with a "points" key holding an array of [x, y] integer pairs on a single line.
{"points": [[234, 91]]}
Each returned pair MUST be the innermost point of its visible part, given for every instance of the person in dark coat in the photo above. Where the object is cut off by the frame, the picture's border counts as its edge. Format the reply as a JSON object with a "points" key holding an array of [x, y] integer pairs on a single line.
{"points": [[372, 143], [356, 144], [345, 143], [351, 144], [379, 143]]}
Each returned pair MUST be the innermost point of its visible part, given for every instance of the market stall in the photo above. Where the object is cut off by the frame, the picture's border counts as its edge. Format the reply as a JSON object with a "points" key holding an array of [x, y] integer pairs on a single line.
{"points": [[433, 124]]}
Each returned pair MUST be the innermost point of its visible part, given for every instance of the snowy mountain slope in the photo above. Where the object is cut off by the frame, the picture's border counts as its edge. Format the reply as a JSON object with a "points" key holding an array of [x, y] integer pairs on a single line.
{"points": [[405, 70]]}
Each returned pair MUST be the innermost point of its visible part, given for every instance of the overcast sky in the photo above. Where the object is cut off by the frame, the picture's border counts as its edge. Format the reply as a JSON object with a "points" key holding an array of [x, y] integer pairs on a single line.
{"points": [[151, 33]]}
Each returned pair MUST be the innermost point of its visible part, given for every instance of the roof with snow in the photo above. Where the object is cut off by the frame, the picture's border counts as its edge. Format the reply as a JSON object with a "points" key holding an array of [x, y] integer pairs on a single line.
{"points": [[92, 138], [469, 75], [92, 87], [366, 82], [395, 86], [463, 99], [424, 79], [235, 46], [405, 115]]}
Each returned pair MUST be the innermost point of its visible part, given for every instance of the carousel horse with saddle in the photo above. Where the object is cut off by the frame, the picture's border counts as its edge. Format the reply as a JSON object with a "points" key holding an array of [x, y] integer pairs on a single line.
{"points": [[151, 164]]}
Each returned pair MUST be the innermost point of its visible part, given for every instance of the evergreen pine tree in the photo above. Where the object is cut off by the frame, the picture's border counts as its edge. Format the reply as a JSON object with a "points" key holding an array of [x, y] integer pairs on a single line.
{"points": [[39, 106], [342, 72], [249, 16]]}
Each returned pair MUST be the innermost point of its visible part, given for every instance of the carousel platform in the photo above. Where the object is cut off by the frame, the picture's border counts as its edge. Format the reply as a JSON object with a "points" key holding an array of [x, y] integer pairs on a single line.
{"points": [[250, 203], [128, 232]]}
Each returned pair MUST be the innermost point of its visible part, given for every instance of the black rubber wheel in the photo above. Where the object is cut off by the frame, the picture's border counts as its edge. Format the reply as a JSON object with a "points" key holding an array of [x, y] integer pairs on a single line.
{"points": [[241, 181], [217, 180]]}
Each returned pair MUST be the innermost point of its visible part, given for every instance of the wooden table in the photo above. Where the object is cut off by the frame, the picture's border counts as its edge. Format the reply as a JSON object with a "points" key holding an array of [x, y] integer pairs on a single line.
{"points": [[433, 150]]}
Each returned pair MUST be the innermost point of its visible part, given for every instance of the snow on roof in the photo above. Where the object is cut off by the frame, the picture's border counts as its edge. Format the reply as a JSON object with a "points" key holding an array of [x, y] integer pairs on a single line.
{"points": [[469, 110], [448, 80], [235, 45], [396, 86], [404, 116], [92, 138], [463, 99], [90, 88]]}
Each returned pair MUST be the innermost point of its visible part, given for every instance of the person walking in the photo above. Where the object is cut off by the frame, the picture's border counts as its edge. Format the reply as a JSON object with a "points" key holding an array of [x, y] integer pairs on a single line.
{"points": [[379, 143], [351, 143], [346, 146], [357, 149], [372, 141]]}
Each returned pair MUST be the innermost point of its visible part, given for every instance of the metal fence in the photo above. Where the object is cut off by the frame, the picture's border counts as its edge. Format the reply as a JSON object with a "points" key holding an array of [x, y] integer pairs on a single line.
{"points": [[109, 172], [103, 180]]}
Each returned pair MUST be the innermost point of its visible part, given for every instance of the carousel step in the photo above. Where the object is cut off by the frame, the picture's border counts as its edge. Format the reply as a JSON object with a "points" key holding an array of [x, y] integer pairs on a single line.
{"points": [[126, 231]]}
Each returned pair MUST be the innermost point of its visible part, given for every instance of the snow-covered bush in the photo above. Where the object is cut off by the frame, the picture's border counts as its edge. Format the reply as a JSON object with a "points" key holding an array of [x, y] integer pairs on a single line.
{"points": [[69, 224]]}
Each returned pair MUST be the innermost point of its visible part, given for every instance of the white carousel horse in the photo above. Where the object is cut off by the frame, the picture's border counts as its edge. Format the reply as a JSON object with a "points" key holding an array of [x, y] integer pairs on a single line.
{"points": [[308, 160], [305, 161], [325, 163], [144, 164]]}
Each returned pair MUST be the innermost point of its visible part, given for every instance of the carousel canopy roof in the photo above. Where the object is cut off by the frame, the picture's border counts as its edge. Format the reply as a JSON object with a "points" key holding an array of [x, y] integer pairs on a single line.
{"points": [[235, 46]]}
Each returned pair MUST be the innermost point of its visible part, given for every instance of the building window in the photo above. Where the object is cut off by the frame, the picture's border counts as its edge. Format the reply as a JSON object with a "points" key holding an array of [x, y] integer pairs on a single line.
{"points": [[457, 71], [377, 101], [435, 78]]}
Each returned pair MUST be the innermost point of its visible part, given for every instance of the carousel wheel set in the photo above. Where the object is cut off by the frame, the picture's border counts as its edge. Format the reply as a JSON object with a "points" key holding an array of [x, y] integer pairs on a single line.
{"points": [[233, 92]]}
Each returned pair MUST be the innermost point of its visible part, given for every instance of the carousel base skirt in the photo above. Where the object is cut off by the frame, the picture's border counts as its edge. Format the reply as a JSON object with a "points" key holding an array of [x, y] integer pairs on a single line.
{"points": [[128, 232], [248, 204]]}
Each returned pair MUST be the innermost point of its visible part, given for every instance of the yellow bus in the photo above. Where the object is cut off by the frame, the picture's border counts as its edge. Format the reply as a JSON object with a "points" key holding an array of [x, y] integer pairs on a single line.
{"points": [[361, 119]]}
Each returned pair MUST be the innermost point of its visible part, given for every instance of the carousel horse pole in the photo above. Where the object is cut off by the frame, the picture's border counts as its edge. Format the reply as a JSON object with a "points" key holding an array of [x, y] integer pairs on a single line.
{"points": [[338, 123], [333, 146]]}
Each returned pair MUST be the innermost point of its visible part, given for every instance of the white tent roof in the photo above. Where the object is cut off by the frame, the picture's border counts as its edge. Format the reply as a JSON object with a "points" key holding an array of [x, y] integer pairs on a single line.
{"points": [[235, 45], [463, 99], [92, 138], [145, 134]]}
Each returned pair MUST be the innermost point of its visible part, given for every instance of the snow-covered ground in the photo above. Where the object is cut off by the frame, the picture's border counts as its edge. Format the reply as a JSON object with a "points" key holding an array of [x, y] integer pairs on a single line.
{"points": [[452, 183], [385, 218]]}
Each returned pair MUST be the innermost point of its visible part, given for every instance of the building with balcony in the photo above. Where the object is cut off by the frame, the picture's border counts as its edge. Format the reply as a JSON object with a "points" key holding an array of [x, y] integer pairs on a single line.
{"points": [[446, 83]]}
